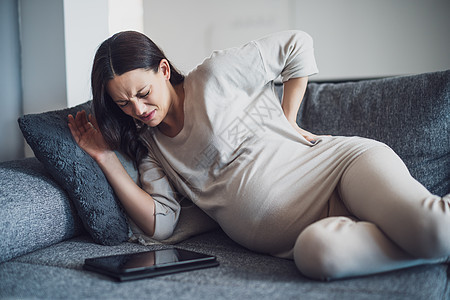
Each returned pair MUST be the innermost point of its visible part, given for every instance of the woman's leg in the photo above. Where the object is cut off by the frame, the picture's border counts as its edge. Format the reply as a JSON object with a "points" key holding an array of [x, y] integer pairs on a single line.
{"points": [[402, 223], [339, 247], [377, 187]]}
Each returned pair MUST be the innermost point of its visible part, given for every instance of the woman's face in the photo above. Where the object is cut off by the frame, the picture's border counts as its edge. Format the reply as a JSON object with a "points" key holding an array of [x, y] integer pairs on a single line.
{"points": [[143, 94]]}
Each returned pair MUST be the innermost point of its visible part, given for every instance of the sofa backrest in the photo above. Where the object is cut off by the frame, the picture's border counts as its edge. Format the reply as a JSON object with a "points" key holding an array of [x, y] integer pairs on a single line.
{"points": [[411, 114]]}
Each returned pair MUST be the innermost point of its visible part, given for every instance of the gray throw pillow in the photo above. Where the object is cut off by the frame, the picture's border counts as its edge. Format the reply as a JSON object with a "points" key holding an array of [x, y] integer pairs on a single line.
{"points": [[74, 170], [411, 114]]}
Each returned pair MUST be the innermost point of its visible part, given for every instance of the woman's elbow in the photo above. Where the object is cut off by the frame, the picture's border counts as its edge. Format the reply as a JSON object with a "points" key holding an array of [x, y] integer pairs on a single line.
{"points": [[148, 229], [164, 225], [162, 234]]}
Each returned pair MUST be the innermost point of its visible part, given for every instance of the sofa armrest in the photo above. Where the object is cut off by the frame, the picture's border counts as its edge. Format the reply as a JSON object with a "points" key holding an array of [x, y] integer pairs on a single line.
{"points": [[35, 212]]}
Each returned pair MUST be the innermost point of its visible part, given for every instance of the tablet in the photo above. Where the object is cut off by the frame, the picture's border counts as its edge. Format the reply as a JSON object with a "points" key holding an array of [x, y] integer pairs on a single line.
{"points": [[149, 263]]}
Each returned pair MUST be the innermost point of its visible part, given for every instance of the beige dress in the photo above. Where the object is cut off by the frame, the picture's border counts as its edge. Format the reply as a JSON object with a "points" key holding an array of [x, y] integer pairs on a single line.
{"points": [[238, 158]]}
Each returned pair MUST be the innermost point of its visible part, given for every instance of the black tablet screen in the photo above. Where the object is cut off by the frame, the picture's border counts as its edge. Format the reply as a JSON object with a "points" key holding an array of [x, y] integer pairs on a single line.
{"points": [[147, 260]]}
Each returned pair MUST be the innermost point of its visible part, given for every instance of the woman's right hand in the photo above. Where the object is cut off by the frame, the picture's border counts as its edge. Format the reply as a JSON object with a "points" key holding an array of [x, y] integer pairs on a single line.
{"points": [[87, 135], [139, 205]]}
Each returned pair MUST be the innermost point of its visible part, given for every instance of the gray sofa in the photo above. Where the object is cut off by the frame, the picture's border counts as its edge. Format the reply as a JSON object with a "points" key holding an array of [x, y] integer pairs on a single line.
{"points": [[44, 236]]}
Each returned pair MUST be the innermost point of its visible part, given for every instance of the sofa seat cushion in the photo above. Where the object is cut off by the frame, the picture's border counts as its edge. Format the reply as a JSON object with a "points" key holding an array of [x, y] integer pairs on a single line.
{"points": [[35, 212], [411, 114], [56, 272]]}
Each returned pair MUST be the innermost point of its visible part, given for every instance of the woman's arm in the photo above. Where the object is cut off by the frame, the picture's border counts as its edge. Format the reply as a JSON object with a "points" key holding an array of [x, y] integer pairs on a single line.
{"points": [[139, 205], [294, 90], [291, 55]]}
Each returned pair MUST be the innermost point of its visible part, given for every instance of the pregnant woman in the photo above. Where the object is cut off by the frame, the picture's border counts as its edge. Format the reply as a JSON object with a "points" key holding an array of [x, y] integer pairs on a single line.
{"points": [[338, 206]]}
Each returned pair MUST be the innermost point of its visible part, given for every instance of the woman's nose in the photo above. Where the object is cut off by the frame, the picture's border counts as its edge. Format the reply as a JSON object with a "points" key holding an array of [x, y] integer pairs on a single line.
{"points": [[139, 107]]}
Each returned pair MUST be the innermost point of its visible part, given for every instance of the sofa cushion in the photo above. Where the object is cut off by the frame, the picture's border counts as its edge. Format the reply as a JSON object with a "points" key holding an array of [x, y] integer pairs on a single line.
{"points": [[35, 212], [56, 272], [411, 114], [49, 136]]}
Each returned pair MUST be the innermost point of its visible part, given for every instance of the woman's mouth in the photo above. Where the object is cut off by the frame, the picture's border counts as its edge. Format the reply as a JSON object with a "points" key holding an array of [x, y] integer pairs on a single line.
{"points": [[148, 116]]}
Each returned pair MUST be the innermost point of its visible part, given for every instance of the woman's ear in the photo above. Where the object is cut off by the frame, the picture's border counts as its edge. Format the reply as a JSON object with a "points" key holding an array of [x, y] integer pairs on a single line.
{"points": [[164, 68]]}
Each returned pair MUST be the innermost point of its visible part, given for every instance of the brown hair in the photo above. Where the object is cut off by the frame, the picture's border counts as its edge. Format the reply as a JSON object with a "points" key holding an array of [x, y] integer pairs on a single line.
{"points": [[123, 52]]}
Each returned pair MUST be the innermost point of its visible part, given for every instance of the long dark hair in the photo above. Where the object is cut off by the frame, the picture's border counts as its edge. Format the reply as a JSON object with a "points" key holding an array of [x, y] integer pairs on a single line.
{"points": [[123, 52]]}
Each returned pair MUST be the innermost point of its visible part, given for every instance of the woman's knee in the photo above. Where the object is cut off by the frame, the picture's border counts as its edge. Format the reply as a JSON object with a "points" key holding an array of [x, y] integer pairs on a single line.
{"points": [[317, 253], [433, 230]]}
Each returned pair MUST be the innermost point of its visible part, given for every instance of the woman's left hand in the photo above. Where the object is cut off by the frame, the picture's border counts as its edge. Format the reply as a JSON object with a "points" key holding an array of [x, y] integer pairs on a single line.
{"points": [[306, 134]]}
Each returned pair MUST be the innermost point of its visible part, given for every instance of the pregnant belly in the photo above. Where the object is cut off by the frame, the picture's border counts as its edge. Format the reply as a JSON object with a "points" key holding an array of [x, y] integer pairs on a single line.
{"points": [[265, 207], [283, 191]]}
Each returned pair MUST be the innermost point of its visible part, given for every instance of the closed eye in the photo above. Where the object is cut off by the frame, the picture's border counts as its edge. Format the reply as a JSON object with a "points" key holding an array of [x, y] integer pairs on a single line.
{"points": [[122, 104], [143, 96]]}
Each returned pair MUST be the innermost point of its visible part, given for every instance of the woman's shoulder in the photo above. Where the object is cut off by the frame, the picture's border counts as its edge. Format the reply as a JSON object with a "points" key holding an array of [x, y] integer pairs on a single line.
{"points": [[231, 64]]}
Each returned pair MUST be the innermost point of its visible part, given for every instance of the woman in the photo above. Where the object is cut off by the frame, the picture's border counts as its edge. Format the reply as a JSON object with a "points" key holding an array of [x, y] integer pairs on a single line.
{"points": [[338, 206]]}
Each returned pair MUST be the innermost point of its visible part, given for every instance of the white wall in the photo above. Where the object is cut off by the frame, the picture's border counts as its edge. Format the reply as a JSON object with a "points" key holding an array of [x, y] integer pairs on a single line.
{"points": [[58, 42], [189, 30], [353, 38], [47, 64], [43, 55], [85, 27], [59, 39], [366, 38], [125, 15], [11, 141]]}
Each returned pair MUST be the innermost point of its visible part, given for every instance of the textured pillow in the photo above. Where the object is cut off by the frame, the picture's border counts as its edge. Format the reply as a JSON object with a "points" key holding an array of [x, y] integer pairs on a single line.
{"points": [[411, 114], [52, 143]]}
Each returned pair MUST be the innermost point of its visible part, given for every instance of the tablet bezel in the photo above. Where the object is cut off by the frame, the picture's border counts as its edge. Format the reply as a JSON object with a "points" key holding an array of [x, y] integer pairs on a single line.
{"points": [[196, 261]]}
